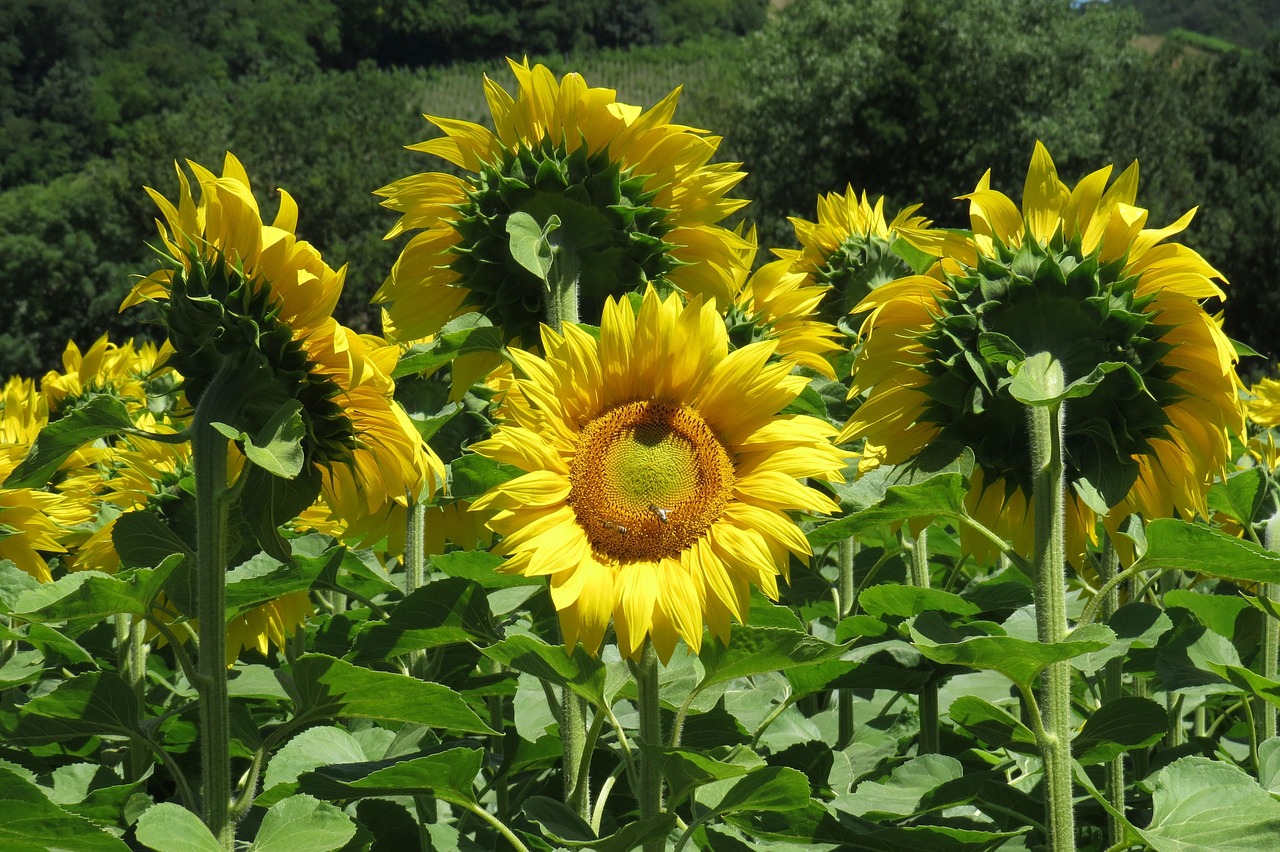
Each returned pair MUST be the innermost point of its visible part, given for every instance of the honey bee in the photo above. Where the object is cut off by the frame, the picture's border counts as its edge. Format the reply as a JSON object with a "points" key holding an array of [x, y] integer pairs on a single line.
{"points": [[660, 512], [618, 528]]}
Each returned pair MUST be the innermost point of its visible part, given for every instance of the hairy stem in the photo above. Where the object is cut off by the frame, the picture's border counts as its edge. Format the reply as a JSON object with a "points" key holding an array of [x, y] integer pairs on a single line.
{"points": [[1112, 689], [209, 458], [649, 795], [1048, 494]]}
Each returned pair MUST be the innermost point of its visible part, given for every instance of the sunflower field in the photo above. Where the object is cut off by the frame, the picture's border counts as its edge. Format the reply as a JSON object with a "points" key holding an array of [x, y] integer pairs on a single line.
{"points": [[628, 531]]}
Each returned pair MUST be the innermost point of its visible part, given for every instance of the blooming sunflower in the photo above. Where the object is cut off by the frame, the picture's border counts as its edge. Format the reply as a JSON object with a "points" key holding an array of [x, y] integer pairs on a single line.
{"points": [[237, 288], [626, 196], [658, 475], [1077, 274]]}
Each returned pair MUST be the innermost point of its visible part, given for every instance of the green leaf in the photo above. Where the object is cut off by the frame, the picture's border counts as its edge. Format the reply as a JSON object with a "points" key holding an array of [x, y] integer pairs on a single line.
{"points": [[263, 578], [992, 726], [1136, 625], [326, 687], [143, 540], [94, 703], [22, 667], [1120, 726], [98, 418], [480, 566], [901, 794], [85, 598], [277, 448], [580, 672], [13, 583], [759, 650], [29, 822], [1173, 544], [473, 474], [167, 827], [906, 601], [311, 749], [1216, 612], [529, 244], [1239, 495], [939, 496], [769, 788], [301, 822], [1039, 380], [444, 612], [685, 770], [1198, 803], [563, 826], [468, 334], [267, 501], [1019, 660], [446, 775], [1239, 676]]}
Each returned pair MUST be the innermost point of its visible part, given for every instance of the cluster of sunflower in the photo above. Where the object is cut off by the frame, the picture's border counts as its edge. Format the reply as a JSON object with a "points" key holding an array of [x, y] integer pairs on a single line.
{"points": [[254, 301], [662, 468]]}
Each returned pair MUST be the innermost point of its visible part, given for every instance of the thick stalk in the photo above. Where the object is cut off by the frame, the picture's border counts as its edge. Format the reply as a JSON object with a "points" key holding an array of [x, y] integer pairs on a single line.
{"points": [[650, 794], [415, 569], [1112, 689], [848, 549], [562, 307], [1270, 637], [928, 701], [1048, 494], [209, 458], [132, 652]]}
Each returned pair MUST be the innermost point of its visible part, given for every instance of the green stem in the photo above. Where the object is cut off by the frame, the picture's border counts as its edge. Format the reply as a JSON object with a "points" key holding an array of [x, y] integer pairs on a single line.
{"points": [[1113, 689], [209, 460], [845, 697], [415, 570], [496, 823], [133, 667], [1048, 494], [649, 795], [573, 733], [928, 700], [1270, 637]]}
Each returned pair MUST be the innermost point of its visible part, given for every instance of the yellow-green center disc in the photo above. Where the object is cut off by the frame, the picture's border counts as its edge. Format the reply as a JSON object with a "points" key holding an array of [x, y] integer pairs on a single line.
{"points": [[648, 479]]}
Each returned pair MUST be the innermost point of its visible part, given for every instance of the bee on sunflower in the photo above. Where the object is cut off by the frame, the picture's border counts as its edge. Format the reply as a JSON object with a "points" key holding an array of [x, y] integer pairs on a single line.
{"points": [[659, 474]]}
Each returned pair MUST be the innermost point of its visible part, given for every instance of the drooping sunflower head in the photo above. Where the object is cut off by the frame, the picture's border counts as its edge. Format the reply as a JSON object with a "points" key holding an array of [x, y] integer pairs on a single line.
{"points": [[1076, 274], [624, 196], [659, 474], [241, 292]]}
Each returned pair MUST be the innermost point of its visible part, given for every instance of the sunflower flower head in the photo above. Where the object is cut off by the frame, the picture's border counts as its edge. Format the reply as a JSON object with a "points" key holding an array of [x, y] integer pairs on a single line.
{"points": [[237, 291], [126, 372], [659, 474], [850, 250], [1264, 405], [1075, 273], [618, 196]]}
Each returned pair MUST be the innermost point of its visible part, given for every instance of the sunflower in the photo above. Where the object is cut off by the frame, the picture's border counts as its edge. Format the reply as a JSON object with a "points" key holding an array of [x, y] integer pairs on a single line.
{"points": [[1077, 274], [1264, 407], [851, 249], [239, 289], [626, 196], [34, 523], [126, 372], [658, 475]]}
